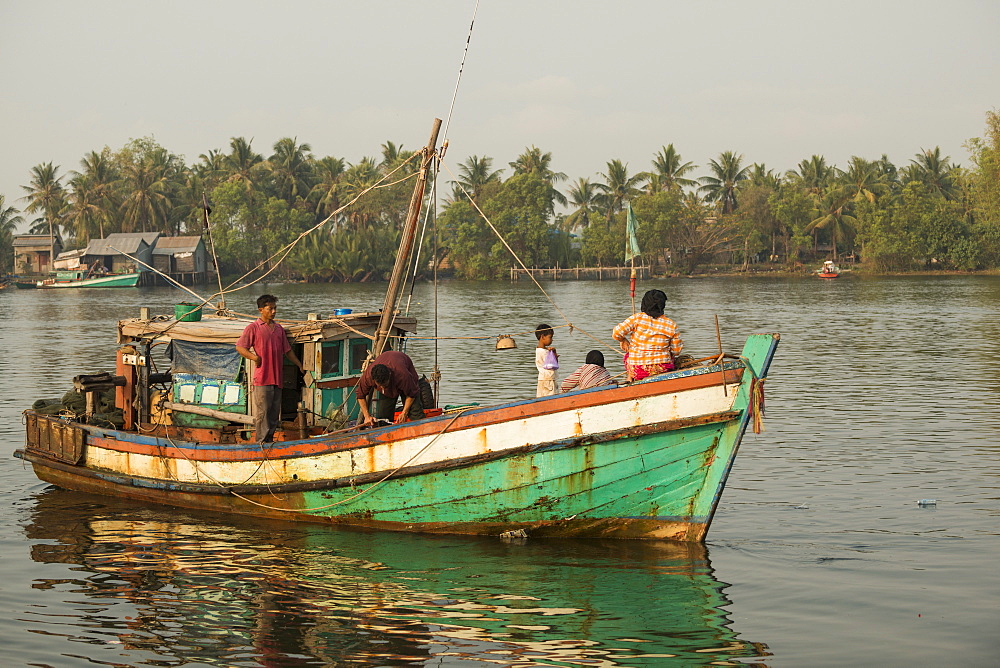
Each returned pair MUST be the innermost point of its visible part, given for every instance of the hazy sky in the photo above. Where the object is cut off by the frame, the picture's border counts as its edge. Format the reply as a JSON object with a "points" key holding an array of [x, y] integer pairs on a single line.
{"points": [[586, 81]]}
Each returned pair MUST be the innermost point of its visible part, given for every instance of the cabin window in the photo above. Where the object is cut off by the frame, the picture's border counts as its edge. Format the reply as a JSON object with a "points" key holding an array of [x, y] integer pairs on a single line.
{"points": [[359, 353], [210, 394], [332, 361]]}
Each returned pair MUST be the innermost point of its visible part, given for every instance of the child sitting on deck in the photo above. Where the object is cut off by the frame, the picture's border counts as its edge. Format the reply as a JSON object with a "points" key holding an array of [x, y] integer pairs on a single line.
{"points": [[591, 374]]}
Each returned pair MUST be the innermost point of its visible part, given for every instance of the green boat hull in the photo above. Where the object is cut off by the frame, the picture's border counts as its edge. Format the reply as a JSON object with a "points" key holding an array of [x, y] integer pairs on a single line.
{"points": [[657, 485], [649, 460], [110, 281]]}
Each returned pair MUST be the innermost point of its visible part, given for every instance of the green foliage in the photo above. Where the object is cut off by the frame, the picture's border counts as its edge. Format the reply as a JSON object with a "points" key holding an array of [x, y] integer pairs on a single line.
{"points": [[887, 245], [658, 216], [984, 186], [345, 255], [520, 209], [723, 184], [9, 219], [793, 208], [755, 220], [927, 214], [603, 245], [935, 227]]}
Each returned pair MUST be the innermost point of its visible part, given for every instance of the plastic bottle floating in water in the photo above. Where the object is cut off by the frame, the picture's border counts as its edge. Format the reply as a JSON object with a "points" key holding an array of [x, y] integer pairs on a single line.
{"points": [[927, 502]]}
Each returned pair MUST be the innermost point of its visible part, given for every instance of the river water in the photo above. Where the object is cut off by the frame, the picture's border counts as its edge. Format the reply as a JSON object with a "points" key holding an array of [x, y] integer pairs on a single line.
{"points": [[883, 392]]}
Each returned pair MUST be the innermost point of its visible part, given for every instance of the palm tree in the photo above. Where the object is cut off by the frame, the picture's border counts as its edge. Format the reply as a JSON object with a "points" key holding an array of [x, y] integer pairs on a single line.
{"points": [[244, 165], [357, 178], [936, 172], [83, 211], [325, 192], [533, 160], [9, 220], [45, 195], [814, 174], [618, 187], [863, 180], [654, 183], [10, 217], [583, 196], [668, 166], [98, 177], [146, 190], [474, 174], [834, 216], [291, 168], [392, 155], [760, 175], [188, 199], [212, 169], [727, 175]]}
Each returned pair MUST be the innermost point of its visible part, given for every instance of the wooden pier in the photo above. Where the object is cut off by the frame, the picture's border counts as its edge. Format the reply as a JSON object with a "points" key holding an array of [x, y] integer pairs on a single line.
{"points": [[580, 273]]}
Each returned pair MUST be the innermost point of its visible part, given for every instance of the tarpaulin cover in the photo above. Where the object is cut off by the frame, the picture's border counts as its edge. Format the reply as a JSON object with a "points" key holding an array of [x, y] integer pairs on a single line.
{"points": [[210, 360]]}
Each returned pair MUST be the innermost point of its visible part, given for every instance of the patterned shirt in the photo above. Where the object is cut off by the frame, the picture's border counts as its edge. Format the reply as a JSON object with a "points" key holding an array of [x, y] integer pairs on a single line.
{"points": [[651, 341], [588, 375]]}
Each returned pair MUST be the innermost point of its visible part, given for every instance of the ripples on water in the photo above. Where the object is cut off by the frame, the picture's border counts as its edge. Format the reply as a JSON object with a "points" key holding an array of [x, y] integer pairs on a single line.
{"points": [[883, 392], [160, 589]]}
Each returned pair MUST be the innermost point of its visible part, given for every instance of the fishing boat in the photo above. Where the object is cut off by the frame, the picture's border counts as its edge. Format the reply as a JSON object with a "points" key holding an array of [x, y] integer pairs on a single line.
{"points": [[81, 278], [829, 270], [649, 459]]}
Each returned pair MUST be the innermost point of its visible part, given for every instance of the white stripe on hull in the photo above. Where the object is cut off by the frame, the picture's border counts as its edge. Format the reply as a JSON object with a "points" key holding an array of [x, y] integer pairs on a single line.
{"points": [[451, 445]]}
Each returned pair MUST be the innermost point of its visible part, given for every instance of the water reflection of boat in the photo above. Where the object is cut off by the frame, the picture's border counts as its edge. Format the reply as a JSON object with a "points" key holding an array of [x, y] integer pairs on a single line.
{"points": [[202, 591], [646, 460]]}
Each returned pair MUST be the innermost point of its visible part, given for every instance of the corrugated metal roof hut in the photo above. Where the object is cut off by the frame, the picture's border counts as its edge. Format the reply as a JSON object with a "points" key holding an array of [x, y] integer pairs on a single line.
{"points": [[184, 259], [113, 251], [33, 252]]}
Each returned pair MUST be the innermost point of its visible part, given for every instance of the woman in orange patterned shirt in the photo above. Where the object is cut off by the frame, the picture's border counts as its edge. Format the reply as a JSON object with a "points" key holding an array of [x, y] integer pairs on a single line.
{"points": [[649, 338]]}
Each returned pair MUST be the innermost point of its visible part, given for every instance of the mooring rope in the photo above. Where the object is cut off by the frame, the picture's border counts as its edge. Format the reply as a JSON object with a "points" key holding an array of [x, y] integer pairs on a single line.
{"points": [[755, 398]]}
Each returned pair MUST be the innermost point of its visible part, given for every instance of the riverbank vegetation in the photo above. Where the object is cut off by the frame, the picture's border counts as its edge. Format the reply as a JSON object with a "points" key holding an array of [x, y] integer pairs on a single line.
{"points": [[929, 214]]}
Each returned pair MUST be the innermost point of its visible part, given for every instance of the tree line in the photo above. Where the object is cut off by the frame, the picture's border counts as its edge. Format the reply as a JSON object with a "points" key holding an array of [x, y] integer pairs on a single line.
{"points": [[929, 213]]}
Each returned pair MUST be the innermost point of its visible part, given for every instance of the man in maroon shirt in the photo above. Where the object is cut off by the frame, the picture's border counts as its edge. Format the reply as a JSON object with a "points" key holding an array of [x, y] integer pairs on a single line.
{"points": [[392, 374], [270, 344]]}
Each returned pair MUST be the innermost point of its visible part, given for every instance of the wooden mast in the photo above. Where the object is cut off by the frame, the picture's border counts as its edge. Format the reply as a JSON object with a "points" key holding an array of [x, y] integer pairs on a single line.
{"points": [[405, 244]]}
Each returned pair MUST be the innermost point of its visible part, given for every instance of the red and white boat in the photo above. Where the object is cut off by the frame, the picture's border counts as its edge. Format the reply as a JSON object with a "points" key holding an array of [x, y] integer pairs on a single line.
{"points": [[829, 270]]}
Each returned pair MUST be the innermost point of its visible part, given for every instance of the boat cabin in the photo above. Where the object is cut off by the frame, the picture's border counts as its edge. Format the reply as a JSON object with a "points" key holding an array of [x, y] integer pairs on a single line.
{"points": [[208, 386]]}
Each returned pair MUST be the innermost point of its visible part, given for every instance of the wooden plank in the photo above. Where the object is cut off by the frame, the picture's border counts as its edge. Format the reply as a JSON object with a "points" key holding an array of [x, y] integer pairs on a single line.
{"points": [[209, 412]]}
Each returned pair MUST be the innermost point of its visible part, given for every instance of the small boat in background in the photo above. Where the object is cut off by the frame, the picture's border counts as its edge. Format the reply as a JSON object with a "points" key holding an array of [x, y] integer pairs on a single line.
{"points": [[829, 270], [78, 278]]}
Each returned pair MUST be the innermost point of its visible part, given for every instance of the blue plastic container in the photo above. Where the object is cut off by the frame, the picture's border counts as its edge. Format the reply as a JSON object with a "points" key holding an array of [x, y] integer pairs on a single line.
{"points": [[342, 311]]}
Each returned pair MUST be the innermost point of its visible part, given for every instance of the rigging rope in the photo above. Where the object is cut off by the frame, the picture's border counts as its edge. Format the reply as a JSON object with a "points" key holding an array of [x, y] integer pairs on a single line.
{"points": [[461, 68], [285, 250], [569, 322]]}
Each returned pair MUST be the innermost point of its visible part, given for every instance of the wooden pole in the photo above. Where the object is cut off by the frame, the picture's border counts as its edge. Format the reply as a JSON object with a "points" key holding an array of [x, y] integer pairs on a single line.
{"points": [[406, 244]]}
